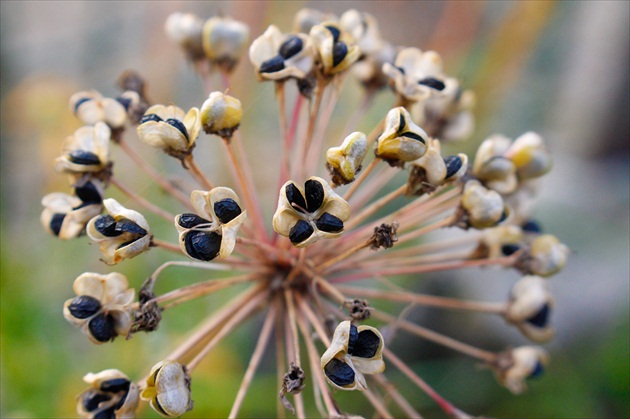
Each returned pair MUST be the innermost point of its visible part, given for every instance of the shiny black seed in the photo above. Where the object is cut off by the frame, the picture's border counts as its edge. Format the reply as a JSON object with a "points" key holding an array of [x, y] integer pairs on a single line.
{"points": [[532, 226], [413, 136], [88, 193], [509, 249], [202, 245], [300, 232], [80, 102], [401, 123], [179, 125], [432, 83], [227, 209], [84, 306], [272, 65], [92, 398], [340, 50], [352, 339], [504, 216], [541, 318], [159, 407], [329, 223], [106, 225], [294, 196], [55, 223], [290, 47], [128, 226], [125, 101], [115, 385], [366, 345], [314, 192], [335, 32], [402, 70], [538, 371], [106, 414], [127, 243], [191, 220], [102, 327], [339, 372], [150, 117], [122, 400], [453, 164], [84, 157]]}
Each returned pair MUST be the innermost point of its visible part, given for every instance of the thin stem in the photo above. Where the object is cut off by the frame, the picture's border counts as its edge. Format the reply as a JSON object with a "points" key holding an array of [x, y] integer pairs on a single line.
{"points": [[321, 86], [331, 262], [140, 200], [375, 206], [246, 188], [390, 388], [281, 360], [238, 317], [288, 296], [364, 174], [171, 247], [197, 173], [356, 117], [438, 338], [263, 340], [430, 300], [293, 352], [448, 408], [154, 175], [445, 222], [200, 289], [280, 96]]}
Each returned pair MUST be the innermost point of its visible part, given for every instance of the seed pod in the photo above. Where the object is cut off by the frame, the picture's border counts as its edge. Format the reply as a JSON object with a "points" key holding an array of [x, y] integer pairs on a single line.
{"points": [[221, 114], [168, 389], [334, 49], [519, 364], [529, 307], [344, 162], [547, 256], [224, 41], [169, 129], [85, 151], [111, 395], [90, 107], [484, 207], [66, 216], [415, 75], [530, 156]]}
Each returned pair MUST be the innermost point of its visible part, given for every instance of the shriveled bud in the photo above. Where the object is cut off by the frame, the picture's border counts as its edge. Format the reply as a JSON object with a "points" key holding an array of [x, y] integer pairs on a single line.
{"points": [[344, 162]]}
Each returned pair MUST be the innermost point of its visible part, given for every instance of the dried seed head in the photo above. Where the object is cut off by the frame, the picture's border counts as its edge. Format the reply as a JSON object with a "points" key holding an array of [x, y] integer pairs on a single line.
{"points": [[344, 162], [293, 383], [358, 310], [168, 389], [148, 315], [384, 236], [221, 114]]}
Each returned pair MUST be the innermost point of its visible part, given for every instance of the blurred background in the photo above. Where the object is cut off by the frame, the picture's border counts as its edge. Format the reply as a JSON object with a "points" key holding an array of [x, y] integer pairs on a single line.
{"points": [[558, 68]]}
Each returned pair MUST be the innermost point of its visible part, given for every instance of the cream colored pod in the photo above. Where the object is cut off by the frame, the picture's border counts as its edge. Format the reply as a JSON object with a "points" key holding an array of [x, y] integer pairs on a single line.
{"points": [[334, 48], [529, 308], [224, 41], [111, 395], [530, 156], [416, 75], [170, 129], [308, 214], [168, 389], [186, 29], [547, 255], [402, 141], [90, 107], [213, 231], [221, 114], [87, 150], [65, 216], [484, 207], [432, 170], [344, 162], [122, 234], [519, 364], [102, 308], [492, 168], [354, 351]]}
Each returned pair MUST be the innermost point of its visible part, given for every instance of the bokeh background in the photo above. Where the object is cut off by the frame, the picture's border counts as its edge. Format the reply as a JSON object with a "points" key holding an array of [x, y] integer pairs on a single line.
{"points": [[559, 68]]}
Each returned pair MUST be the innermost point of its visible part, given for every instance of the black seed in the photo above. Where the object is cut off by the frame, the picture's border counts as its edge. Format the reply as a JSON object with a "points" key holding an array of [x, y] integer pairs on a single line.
{"points": [[335, 32], [106, 225], [541, 318], [504, 215], [179, 125], [413, 136], [102, 327], [453, 164], [159, 407], [92, 398], [432, 83], [531, 226], [115, 385], [509, 249], [150, 117], [340, 50], [80, 102], [401, 123], [127, 243], [84, 306], [402, 70], [339, 372], [329, 223], [128, 226], [367, 344], [124, 101], [227, 209], [300, 232], [538, 371], [191, 220], [122, 400], [314, 192], [272, 65], [55, 223], [106, 414], [290, 47], [88, 193], [352, 339], [83, 157], [294, 196], [202, 245]]}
